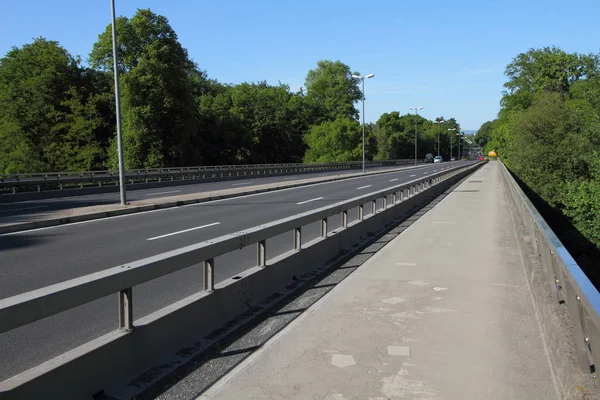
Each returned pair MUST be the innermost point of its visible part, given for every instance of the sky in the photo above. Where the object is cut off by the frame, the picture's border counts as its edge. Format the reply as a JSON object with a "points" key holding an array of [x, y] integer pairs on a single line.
{"points": [[447, 56]]}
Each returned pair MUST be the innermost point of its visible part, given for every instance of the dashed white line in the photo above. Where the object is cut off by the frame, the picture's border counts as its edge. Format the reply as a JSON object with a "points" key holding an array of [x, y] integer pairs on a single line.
{"points": [[241, 184], [425, 173], [435, 170], [308, 201], [363, 187], [412, 176], [393, 180], [183, 231], [157, 193], [22, 208]]}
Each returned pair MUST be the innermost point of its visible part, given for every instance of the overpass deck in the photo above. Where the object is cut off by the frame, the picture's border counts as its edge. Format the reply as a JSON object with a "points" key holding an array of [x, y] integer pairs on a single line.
{"points": [[442, 312]]}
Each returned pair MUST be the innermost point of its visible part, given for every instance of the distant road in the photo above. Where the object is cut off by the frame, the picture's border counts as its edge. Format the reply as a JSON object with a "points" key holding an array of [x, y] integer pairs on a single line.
{"points": [[37, 258], [18, 211]]}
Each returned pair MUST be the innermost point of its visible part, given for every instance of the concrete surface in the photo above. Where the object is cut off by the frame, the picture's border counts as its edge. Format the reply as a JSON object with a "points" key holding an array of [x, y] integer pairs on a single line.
{"points": [[442, 312]]}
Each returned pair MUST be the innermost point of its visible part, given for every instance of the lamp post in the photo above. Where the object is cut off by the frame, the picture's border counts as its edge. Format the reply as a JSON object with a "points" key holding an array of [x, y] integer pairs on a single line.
{"points": [[118, 108], [416, 109], [440, 122], [362, 78], [451, 135], [459, 137]]}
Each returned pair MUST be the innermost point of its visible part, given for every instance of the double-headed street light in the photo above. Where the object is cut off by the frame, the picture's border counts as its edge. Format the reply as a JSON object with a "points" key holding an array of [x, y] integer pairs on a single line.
{"points": [[440, 122], [416, 109], [362, 78], [451, 135]]}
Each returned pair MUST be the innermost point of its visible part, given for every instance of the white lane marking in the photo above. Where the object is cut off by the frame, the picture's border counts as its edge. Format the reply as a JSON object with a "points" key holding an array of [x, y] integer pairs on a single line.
{"points": [[435, 170], [393, 180], [363, 187], [308, 201], [183, 231], [157, 193], [22, 208], [425, 173], [412, 176], [240, 184]]}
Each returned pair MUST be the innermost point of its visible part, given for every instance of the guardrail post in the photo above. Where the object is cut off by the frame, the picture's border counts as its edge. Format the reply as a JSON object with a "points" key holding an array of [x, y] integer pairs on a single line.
{"points": [[361, 212], [373, 206], [324, 227], [345, 219], [385, 202], [261, 253], [126, 309], [209, 275], [394, 198], [298, 238]]}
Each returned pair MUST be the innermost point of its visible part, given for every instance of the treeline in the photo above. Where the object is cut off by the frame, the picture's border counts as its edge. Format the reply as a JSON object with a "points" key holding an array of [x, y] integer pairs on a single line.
{"points": [[548, 134], [57, 112]]}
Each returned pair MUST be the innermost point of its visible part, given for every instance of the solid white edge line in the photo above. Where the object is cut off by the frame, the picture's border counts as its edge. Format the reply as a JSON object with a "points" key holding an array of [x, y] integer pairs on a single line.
{"points": [[308, 201], [183, 231], [364, 187], [197, 204], [154, 194], [23, 208]]}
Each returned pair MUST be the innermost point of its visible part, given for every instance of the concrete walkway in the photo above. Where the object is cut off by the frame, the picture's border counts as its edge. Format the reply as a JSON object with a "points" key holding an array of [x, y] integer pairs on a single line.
{"points": [[443, 312]]}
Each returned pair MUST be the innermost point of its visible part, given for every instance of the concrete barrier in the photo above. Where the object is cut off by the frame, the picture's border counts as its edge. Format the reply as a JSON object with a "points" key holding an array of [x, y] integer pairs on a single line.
{"points": [[567, 305]]}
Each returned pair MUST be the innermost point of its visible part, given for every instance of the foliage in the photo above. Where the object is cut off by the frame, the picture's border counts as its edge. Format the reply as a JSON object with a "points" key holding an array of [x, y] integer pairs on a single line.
{"points": [[334, 141], [332, 91], [547, 132]]}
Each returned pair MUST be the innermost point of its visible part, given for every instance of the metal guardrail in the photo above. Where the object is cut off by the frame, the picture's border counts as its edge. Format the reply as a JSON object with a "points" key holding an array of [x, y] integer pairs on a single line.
{"points": [[29, 307], [13, 183], [569, 284]]}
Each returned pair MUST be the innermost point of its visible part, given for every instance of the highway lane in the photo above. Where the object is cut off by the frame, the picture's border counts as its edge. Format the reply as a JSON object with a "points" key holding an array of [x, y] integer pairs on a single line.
{"points": [[18, 211], [38, 258]]}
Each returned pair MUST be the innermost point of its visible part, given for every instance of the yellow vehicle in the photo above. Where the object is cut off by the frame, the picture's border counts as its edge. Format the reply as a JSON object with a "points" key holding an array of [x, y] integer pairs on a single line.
{"points": [[492, 153]]}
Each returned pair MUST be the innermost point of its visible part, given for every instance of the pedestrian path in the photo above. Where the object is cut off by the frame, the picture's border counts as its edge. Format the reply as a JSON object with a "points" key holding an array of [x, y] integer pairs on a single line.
{"points": [[442, 312]]}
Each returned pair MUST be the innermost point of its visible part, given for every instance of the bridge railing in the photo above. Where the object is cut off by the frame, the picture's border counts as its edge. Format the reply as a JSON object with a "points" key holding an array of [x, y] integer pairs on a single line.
{"points": [[126, 349], [569, 285], [15, 183]]}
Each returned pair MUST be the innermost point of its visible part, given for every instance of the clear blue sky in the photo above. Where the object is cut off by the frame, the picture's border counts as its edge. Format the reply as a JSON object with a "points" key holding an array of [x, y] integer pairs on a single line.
{"points": [[448, 56]]}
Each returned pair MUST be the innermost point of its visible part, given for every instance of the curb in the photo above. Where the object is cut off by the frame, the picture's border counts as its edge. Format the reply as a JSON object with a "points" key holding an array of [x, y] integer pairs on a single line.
{"points": [[25, 226]]}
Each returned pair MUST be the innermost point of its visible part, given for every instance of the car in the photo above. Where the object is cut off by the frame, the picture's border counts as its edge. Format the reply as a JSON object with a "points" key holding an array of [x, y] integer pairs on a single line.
{"points": [[437, 159], [428, 157], [481, 158], [453, 159]]}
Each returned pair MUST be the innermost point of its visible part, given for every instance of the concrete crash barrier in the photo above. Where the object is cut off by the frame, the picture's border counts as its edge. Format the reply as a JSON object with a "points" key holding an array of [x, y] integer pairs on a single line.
{"points": [[567, 303], [116, 358]]}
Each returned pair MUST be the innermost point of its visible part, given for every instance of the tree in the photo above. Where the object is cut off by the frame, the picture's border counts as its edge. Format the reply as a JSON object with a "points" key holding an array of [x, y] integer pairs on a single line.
{"points": [[332, 91], [546, 69], [160, 114], [334, 141], [53, 115], [482, 137]]}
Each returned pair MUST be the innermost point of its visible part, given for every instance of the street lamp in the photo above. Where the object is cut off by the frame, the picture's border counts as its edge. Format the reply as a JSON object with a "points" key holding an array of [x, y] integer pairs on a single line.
{"points": [[452, 134], [362, 78], [416, 109], [460, 135], [118, 108], [440, 122]]}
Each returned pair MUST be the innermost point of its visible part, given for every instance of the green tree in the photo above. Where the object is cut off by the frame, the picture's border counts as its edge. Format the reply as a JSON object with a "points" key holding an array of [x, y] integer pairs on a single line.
{"points": [[334, 141], [482, 137], [160, 114], [332, 91], [53, 115]]}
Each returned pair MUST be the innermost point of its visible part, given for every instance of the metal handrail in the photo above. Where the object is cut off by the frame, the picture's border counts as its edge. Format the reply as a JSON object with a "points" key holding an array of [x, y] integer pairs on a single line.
{"points": [[568, 282], [42, 180], [29, 307]]}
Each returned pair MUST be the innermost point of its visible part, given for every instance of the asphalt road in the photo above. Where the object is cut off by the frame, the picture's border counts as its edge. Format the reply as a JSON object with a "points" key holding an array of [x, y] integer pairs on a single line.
{"points": [[37, 258], [19, 211]]}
